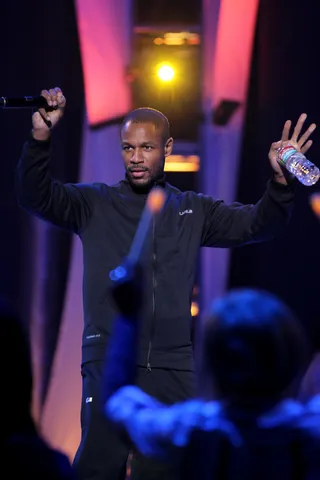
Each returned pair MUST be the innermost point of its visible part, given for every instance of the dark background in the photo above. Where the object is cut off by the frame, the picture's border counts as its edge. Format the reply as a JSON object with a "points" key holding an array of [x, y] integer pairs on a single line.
{"points": [[285, 82]]}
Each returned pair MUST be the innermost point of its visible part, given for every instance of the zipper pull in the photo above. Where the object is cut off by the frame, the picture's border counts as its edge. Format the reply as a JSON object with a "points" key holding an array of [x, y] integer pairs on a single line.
{"points": [[149, 367]]}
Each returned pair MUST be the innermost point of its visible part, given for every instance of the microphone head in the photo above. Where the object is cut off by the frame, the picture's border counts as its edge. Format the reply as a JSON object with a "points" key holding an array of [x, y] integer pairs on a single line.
{"points": [[315, 203], [156, 200]]}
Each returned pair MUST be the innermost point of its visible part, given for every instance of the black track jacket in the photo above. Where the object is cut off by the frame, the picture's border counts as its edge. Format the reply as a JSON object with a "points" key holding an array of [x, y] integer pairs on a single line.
{"points": [[106, 217]]}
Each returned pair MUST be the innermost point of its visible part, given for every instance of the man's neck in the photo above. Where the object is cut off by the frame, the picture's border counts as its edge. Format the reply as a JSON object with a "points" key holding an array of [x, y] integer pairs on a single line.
{"points": [[145, 189]]}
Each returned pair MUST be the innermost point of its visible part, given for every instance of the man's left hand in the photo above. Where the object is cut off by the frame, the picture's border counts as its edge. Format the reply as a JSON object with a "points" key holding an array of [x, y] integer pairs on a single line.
{"points": [[300, 143]]}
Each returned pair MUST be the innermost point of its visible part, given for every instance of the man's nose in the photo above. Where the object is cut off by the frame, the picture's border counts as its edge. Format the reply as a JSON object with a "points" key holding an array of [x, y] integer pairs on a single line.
{"points": [[137, 156]]}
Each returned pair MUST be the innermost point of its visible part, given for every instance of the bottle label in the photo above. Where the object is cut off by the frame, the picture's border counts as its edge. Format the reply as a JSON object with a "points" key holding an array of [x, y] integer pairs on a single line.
{"points": [[285, 152]]}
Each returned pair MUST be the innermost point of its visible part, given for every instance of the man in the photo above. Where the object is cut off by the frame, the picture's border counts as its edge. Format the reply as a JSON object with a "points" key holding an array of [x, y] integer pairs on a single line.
{"points": [[252, 352], [105, 218]]}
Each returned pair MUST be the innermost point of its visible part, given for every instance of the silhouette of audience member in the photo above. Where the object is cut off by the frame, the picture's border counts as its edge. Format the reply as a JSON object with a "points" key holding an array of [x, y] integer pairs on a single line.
{"points": [[24, 453], [244, 424], [310, 385]]}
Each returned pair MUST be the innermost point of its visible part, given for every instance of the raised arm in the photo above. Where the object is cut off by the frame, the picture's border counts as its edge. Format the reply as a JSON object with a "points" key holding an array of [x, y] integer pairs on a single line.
{"points": [[130, 409], [65, 205], [121, 353], [232, 225], [236, 224]]}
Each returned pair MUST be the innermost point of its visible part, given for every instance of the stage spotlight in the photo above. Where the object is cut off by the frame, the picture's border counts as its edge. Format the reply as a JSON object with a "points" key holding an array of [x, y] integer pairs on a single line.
{"points": [[165, 72], [168, 78]]}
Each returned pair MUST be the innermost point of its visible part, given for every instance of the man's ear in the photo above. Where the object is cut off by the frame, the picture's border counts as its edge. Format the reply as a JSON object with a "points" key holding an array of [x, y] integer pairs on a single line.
{"points": [[168, 147]]}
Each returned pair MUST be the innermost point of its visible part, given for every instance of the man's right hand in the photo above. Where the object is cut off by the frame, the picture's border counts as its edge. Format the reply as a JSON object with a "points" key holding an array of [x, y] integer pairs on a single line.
{"points": [[42, 120]]}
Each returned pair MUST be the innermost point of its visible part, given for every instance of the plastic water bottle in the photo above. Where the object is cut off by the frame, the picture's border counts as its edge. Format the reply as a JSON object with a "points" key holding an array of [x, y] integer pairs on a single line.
{"points": [[297, 164]]}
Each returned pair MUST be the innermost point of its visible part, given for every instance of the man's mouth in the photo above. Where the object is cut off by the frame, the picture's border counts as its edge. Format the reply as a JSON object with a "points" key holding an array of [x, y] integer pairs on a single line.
{"points": [[138, 173]]}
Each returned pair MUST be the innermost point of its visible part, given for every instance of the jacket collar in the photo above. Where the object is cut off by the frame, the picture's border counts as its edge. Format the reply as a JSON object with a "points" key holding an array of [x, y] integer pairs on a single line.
{"points": [[161, 182]]}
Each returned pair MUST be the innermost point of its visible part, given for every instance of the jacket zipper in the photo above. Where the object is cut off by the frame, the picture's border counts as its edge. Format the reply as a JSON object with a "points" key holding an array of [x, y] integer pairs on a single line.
{"points": [[154, 258]]}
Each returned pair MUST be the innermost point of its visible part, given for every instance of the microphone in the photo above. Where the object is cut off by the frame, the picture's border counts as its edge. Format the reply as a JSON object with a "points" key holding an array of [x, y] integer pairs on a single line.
{"points": [[25, 102]]}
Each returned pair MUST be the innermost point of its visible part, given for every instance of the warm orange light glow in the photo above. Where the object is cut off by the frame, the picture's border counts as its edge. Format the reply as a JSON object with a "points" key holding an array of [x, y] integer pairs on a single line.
{"points": [[174, 41], [181, 163], [194, 309], [181, 167], [315, 203], [156, 200], [174, 38], [158, 41], [193, 40], [178, 38]]}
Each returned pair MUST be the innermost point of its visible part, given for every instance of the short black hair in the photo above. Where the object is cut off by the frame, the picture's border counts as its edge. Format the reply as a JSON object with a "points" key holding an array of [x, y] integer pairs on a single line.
{"points": [[253, 344], [149, 115]]}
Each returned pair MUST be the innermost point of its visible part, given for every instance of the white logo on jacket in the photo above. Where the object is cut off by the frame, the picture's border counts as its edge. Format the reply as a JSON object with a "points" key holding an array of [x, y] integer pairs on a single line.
{"points": [[185, 211]]}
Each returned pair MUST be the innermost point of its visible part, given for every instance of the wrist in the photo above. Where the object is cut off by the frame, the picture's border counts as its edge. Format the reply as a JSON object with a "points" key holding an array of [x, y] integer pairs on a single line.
{"points": [[41, 135], [279, 178]]}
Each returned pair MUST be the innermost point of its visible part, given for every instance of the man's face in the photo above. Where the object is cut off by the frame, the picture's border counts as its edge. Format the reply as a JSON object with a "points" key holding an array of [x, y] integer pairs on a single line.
{"points": [[143, 152]]}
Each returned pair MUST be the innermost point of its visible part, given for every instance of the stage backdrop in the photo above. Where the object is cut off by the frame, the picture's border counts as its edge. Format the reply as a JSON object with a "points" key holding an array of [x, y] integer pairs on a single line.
{"points": [[39, 49], [228, 33]]}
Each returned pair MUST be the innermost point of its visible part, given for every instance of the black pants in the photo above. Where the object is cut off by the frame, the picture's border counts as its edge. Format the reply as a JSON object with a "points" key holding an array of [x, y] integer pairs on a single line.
{"points": [[102, 455]]}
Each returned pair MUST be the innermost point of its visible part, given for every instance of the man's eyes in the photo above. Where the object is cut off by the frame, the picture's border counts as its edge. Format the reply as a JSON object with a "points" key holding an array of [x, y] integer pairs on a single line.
{"points": [[127, 148]]}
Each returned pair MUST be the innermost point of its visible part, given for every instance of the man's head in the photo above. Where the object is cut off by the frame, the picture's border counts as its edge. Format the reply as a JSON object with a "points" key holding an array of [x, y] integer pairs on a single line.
{"points": [[145, 143], [253, 347]]}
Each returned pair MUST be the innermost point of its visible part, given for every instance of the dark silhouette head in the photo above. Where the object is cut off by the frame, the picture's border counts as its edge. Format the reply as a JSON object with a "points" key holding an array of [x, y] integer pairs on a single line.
{"points": [[254, 348], [145, 143]]}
